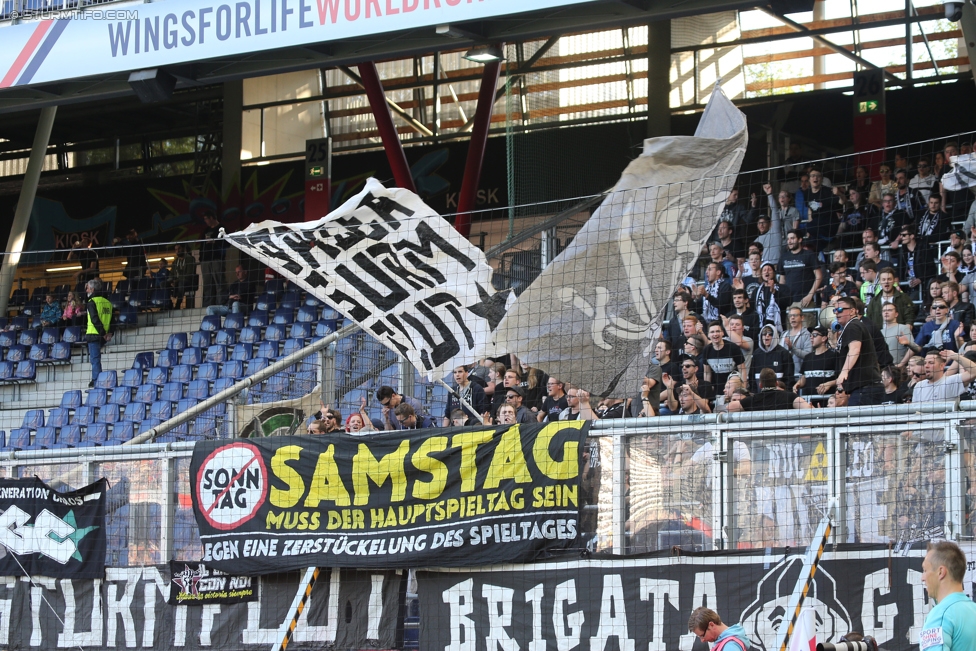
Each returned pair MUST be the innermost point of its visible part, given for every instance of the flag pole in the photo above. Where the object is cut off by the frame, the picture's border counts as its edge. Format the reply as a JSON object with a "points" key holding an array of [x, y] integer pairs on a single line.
{"points": [[463, 402]]}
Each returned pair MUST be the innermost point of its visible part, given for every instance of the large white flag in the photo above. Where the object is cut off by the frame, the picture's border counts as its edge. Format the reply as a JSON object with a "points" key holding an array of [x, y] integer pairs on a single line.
{"points": [[591, 317], [395, 267], [804, 636], [963, 173]]}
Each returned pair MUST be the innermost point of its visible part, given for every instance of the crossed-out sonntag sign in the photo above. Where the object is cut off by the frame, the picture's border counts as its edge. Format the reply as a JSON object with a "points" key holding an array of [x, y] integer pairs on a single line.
{"points": [[457, 496], [178, 31]]}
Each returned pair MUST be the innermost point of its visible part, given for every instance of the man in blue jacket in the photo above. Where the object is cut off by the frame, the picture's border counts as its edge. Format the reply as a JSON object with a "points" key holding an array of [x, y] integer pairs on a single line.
{"points": [[708, 627]]}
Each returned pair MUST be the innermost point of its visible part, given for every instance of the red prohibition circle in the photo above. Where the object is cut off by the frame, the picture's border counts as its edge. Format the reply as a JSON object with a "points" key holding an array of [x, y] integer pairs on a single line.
{"points": [[265, 480]]}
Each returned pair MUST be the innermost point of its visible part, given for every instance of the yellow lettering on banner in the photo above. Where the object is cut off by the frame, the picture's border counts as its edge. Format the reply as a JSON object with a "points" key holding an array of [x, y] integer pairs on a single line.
{"points": [[365, 467], [508, 462], [428, 490], [279, 466], [517, 499], [327, 482], [335, 520], [469, 442], [274, 521], [568, 468]]}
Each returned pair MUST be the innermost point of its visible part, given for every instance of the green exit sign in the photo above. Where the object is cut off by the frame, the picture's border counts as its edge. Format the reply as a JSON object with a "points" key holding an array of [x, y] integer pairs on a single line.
{"points": [[870, 106], [318, 170]]}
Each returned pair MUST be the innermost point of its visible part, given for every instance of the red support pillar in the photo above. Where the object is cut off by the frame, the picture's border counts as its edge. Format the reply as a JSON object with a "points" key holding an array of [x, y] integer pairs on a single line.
{"points": [[384, 123], [476, 148]]}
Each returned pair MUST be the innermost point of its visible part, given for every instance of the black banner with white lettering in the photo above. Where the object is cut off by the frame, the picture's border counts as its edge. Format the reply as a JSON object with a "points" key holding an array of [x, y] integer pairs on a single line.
{"points": [[128, 609], [195, 584], [642, 603], [410, 498], [44, 532]]}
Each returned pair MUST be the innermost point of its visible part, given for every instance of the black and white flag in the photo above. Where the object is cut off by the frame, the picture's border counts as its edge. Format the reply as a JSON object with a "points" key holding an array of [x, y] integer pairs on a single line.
{"points": [[397, 268], [963, 173], [592, 316]]}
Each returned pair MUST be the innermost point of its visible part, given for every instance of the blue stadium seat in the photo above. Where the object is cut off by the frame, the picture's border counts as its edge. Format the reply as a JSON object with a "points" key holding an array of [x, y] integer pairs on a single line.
{"points": [[177, 341], [45, 438], [171, 391], [20, 322], [144, 360], [292, 346], [49, 336], [20, 438], [33, 308], [290, 300], [284, 316], [96, 433], [304, 382], [84, 415], [132, 377], [27, 338], [96, 397], [71, 399], [258, 319], [255, 365], [109, 413], [71, 335], [25, 371], [200, 339], [275, 286], [234, 321], [121, 396], [198, 390], [135, 412], [122, 287], [128, 317], [275, 332], [185, 405], [222, 384], [225, 337], [3, 439], [16, 353], [6, 371], [61, 351], [39, 353], [242, 352], [265, 302], [312, 300], [58, 417], [203, 427], [192, 355], [232, 369], [158, 376], [250, 335], [181, 373], [168, 358], [107, 380], [122, 431], [210, 323], [118, 301], [301, 331], [69, 437], [217, 353], [274, 388], [207, 372], [160, 297], [139, 299], [19, 297], [307, 314], [7, 338], [267, 349], [33, 418], [324, 328], [161, 409], [145, 394]]}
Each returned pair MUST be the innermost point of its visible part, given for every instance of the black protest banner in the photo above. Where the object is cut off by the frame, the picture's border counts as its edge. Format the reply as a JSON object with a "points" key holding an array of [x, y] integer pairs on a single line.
{"points": [[129, 609], [448, 497], [644, 602], [49, 533], [196, 584]]}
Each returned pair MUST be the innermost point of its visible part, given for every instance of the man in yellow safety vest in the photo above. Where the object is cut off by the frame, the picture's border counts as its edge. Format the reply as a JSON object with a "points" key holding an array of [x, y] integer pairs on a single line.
{"points": [[99, 322]]}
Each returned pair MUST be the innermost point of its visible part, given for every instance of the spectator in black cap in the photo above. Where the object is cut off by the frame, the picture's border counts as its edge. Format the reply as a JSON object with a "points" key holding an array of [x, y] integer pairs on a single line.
{"points": [[957, 241], [514, 397], [818, 373]]}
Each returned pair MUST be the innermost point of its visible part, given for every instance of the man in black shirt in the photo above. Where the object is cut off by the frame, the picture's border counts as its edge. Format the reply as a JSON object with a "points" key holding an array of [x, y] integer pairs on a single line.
{"points": [[800, 270], [906, 198], [819, 370], [933, 225], [555, 400], [916, 261], [740, 306], [135, 256], [891, 221], [824, 207], [689, 376], [858, 371], [770, 396], [212, 261], [239, 298]]}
